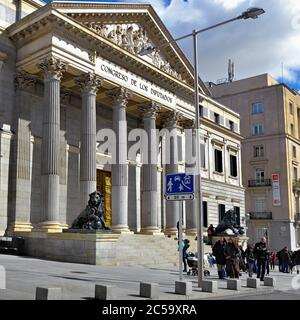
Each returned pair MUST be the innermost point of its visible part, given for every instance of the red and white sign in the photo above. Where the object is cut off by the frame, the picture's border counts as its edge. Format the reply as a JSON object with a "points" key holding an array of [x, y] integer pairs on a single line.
{"points": [[276, 190]]}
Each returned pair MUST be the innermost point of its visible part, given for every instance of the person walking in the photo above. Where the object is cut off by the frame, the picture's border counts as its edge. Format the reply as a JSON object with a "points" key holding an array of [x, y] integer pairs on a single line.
{"points": [[219, 252], [250, 259], [272, 260], [279, 257], [296, 260], [210, 233], [286, 260], [261, 252], [186, 245], [232, 254]]}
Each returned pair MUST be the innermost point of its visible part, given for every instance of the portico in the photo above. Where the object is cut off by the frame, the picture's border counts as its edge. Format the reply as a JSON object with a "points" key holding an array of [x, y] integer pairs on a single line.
{"points": [[82, 93]]}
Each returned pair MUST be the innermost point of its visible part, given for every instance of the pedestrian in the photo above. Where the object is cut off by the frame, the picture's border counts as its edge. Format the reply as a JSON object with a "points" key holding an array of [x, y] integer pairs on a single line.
{"points": [[296, 260], [261, 252], [279, 257], [272, 260], [232, 254], [211, 260], [250, 258], [186, 245], [219, 252], [210, 233], [286, 260], [268, 262]]}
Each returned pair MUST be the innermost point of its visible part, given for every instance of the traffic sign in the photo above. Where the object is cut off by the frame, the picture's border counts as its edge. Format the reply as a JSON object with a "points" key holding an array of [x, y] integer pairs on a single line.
{"points": [[179, 186], [175, 197]]}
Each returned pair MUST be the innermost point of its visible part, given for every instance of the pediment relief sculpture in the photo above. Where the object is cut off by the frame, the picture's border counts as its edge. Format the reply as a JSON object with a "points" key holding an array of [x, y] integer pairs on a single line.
{"points": [[134, 38]]}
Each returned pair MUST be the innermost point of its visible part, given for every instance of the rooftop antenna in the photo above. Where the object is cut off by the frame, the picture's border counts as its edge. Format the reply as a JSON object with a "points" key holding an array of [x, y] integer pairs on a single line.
{"points": [[230, 70], [282, 79]]}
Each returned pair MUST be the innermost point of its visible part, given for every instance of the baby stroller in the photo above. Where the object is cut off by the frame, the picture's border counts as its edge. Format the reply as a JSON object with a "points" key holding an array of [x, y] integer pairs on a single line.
{"points": [[192, 262]]}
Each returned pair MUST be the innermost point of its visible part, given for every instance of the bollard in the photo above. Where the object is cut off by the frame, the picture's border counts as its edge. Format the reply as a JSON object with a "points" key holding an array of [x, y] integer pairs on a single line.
{"points": [[183, 287], [253, 283], [234, 284], [149, 290], [44, 293], [104, 292], [209, 286], [269, 282]]}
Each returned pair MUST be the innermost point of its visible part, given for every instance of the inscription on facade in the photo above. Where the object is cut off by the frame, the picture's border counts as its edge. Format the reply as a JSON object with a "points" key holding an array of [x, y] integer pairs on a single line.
{"points": [[134, 83]]}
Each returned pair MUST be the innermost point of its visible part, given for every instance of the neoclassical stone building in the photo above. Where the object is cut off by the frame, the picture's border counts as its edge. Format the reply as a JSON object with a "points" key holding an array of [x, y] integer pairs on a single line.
{"points": [[70, 70]]}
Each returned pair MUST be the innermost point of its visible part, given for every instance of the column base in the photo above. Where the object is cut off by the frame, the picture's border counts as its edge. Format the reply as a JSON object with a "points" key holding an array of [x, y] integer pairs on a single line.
{"points": [[154, 231], [19, 226], [121, 230], [191, 232], [171, 231], [50, 227]]}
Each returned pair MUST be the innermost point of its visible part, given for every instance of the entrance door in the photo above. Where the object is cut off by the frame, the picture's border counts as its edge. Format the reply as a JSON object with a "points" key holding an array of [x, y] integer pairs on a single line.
{"points": [[104, 187]]}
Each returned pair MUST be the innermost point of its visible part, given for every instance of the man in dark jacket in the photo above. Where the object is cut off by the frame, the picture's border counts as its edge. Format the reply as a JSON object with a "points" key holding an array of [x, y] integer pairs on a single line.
{"points": [[261, 254], [286, 260], [218, 251], [250, 258], [296, 260]]}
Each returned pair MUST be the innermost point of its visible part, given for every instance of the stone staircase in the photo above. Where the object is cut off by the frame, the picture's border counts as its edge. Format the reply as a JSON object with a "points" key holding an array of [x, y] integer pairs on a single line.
{"points": [[147, 250]]}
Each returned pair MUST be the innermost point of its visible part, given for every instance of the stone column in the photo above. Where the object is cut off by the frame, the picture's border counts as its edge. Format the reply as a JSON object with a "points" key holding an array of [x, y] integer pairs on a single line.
{"points": [[20, 196], [171, 123], [53, 71], [149, 171], [190, 167], [119, 166], [89, 84]]}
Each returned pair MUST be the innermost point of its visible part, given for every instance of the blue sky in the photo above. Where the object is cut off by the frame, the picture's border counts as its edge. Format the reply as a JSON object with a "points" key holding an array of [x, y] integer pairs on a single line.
{"points": [[256, 46]]}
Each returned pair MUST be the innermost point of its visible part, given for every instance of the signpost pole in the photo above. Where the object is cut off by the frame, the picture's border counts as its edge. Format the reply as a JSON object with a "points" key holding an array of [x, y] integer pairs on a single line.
{"points": [[180, 241]]}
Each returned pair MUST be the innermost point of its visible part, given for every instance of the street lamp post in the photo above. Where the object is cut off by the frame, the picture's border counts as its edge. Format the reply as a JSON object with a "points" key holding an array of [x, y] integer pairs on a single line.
{"points": [[251, 13]]}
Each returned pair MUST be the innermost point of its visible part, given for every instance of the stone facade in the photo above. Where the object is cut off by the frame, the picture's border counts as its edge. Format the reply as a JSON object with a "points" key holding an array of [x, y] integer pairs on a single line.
{"points": [[270, 113], [71, 82]]}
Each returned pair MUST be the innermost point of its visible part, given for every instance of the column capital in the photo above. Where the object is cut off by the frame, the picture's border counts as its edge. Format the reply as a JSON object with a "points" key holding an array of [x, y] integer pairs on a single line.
{"points": [[171, 119], [149, 109], [89, 83], [24, 80], [53, 68], [120, 96], [188, 123]]}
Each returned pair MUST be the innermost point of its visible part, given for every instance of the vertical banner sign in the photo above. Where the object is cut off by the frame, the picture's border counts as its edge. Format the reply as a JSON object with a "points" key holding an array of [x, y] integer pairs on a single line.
{"points": [[276, 190]]}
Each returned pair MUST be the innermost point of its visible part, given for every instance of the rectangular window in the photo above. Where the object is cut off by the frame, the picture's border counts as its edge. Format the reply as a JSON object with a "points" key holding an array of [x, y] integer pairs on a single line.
{"points": [[238, 215], [218, 160], [216, 118], [294, 152], [231, 125], [201, 111], [202, 150], [258, 151], [233, 166], [292, 129], [259, 175], [291, 108], [257, 129], [221, 208], [295, 173], [204, 214], [257, 107]]}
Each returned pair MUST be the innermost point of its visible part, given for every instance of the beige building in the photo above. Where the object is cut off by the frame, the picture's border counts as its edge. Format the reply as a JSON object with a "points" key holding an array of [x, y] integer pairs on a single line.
{"points": [[70, 71], [270, 125]]}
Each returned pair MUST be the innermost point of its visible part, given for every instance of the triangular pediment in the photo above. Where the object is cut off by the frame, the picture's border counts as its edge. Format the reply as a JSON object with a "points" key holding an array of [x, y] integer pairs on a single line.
{"points": [[133, 27]]}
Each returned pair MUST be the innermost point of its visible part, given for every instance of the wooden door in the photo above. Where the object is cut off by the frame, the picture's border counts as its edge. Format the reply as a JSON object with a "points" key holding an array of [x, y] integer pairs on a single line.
{"points": [[104, 187]]}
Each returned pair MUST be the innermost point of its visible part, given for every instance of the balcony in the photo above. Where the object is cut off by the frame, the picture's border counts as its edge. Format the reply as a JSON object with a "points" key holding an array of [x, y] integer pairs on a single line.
{"points": [[259, 183], [260, 215], [297, 217], [296, 185]]}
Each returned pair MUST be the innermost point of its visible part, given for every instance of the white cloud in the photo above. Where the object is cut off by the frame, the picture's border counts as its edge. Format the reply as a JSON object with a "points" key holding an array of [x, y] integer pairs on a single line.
{"points": [[256, 46], [228, 4]]}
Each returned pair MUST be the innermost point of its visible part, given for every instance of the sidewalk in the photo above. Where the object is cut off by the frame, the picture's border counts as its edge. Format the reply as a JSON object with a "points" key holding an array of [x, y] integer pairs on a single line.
{"points": [[78, 281]]}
